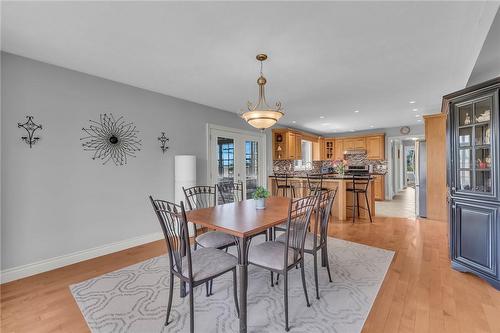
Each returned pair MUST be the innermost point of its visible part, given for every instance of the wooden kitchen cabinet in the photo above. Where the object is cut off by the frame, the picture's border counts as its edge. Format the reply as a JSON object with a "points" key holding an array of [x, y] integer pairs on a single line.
{"points": [[360, 143], [291, 146], [349, 144], [375, 147], [379, 187], [287, 144], [338, 149], [329, 149], [298, 146]]}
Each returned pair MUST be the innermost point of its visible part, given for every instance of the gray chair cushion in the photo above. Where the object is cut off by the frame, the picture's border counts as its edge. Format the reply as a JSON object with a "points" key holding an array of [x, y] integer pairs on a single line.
{"points": [[215, 239], [207, 262], [270, 254], [308, 244]]}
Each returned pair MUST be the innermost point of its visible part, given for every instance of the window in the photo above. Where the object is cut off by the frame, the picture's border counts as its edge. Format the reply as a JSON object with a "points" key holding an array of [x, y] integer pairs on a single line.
{"points": [[306, 162]]}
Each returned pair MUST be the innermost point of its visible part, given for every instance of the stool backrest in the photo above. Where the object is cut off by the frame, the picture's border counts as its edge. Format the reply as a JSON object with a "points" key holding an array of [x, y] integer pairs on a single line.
{"points": [[361, 182]]}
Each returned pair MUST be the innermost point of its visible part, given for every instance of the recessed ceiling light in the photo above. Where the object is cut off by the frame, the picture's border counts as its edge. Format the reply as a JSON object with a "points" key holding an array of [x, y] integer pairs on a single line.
{"points": [[352, 130], [371, 126], [293, 121], [356, 111], [417, 115], [419, 120], [415, 109], [321, 117], [412, 102]]}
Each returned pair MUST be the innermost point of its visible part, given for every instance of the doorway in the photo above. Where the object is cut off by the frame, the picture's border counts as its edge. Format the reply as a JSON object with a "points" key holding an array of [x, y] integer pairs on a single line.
{"points": [[236, 156], [400, 188]]}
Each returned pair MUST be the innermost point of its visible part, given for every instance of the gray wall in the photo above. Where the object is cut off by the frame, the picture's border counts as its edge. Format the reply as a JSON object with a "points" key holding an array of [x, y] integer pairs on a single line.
{"points": [[57, 200], [488, 62]]}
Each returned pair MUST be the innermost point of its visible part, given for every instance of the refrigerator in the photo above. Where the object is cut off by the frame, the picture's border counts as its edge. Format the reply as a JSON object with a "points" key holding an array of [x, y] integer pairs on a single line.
{"points": [[420, 178]]}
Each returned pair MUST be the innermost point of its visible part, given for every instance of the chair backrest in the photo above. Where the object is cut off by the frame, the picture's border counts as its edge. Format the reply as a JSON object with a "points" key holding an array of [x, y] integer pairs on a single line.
{"points": [[280, 180], [172, 218], [324, 207], [361, 182], [198, 197], [230, 191], [314, 182], [299, 217]]}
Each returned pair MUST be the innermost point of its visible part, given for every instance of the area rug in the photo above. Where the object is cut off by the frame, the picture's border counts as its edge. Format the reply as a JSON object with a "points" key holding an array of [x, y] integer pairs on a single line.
{"points": [[133, 299]]}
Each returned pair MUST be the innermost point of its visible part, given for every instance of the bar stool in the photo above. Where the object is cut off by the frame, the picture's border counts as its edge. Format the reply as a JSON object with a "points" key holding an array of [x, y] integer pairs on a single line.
{"points": [[315, 183], [359, 186], [281, 181]]}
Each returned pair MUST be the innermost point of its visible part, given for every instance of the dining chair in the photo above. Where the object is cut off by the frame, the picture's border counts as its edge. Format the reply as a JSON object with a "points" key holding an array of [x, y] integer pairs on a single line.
{"points": [[359, 186], [317, 240], [194, 268], [230, 191], [198, 197], [233, 192], [280, 257]]}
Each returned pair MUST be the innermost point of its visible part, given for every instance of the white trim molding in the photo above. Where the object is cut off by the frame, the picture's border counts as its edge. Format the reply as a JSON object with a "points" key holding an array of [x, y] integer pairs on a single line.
{"points": [[45, 265]]}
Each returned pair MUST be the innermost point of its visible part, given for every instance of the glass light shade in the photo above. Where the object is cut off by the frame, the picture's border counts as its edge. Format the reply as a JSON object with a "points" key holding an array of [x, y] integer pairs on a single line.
{"points": [[262, 119]]}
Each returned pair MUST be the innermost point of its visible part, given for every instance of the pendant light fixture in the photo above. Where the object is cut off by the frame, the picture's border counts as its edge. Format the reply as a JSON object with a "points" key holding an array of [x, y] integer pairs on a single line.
{"points": [[261, 115]]}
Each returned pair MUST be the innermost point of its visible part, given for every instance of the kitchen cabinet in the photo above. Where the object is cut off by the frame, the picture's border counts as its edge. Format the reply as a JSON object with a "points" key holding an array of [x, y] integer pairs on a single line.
{"points": [[360, 143], [287, 143], [473, 139], [338, 149], [329, 149], [291, 146], [379, 187], [375, 147], [349, 144]]}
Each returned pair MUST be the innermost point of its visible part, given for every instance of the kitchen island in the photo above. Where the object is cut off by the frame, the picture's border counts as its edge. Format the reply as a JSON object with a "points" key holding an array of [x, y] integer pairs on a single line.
{"points": [[342, 206]]}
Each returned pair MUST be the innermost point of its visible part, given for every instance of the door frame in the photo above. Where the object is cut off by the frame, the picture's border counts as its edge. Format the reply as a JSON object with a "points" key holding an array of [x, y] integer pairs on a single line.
{"points": [[241, 133]]}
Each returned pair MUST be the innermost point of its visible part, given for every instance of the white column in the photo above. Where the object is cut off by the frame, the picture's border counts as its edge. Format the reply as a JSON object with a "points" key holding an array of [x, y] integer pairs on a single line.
{"points": [[185, 176]]}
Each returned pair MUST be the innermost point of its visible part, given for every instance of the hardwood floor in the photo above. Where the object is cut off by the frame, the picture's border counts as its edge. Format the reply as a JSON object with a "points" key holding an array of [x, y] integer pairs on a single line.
{"points": [[420, 293]]}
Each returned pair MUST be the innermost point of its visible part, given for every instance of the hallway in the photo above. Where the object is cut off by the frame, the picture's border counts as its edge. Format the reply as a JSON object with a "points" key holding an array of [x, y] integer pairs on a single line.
{"points": [[403, 205]]}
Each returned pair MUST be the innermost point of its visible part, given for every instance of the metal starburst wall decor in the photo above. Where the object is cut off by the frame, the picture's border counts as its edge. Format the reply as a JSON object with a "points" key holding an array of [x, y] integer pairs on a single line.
{"points": [[111, 139]]}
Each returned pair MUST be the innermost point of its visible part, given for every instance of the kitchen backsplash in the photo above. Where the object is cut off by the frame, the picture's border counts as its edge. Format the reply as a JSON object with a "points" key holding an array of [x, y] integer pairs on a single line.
{"points": [[285, 166]]}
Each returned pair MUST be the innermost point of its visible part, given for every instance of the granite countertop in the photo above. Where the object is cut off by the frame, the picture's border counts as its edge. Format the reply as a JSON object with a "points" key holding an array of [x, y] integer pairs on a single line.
{"points": [[302, 174]]}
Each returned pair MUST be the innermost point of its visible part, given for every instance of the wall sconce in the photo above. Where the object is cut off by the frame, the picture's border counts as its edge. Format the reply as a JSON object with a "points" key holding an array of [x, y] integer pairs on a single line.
{"points": [[163, 142], [30, 127]]}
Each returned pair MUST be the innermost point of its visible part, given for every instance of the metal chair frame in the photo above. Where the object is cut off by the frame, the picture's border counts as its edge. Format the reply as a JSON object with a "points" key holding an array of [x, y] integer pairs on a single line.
{"points": [[230, 191], [279, 178], [299, 217], [203, 196], [322, 215], [173, 222], [364, 182]]}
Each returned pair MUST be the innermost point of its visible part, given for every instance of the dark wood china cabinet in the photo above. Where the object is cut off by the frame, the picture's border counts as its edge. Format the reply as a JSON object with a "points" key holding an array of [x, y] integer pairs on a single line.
{"points": [[473, 179]]}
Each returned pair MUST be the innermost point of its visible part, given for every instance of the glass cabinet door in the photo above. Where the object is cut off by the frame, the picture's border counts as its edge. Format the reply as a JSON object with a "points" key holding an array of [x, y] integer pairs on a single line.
{"points": [[473, 146]]}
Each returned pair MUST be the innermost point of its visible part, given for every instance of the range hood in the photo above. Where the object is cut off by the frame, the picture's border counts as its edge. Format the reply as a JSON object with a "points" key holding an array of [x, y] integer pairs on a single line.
{"points": [[355, 152]]}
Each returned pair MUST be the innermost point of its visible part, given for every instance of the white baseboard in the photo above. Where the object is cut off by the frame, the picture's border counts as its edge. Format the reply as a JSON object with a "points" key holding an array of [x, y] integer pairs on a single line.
{"points": [[20, 272]]}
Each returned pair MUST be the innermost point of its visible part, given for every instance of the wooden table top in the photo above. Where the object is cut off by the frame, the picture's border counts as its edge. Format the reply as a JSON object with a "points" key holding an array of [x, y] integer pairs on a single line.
{"points": [[241, 219]]}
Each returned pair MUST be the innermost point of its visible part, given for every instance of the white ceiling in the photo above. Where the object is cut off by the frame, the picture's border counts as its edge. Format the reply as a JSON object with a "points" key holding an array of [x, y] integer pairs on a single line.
{"points": [[326, 59]]}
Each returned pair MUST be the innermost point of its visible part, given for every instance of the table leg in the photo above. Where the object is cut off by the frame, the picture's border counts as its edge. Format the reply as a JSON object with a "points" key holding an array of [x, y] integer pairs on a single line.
{"points": [[183, 292], [243, 244]]}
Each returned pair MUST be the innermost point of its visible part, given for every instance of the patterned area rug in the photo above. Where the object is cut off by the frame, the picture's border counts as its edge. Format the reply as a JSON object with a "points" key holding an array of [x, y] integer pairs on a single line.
{"points": [[133, 299]]}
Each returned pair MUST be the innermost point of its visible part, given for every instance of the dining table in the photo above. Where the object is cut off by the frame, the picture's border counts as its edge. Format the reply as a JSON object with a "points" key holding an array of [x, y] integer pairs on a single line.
{"points": [[243, 221]]}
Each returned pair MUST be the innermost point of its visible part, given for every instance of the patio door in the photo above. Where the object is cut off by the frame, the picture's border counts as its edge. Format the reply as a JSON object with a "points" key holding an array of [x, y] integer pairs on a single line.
{"points": [[236, 156]]}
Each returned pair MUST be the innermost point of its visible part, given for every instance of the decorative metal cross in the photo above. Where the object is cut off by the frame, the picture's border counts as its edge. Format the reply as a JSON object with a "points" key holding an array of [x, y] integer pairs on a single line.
{"points": [[30, 127], [163, 142]]}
